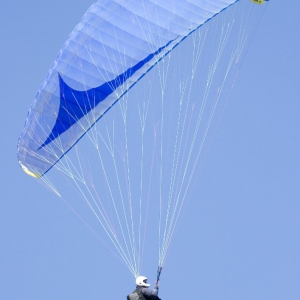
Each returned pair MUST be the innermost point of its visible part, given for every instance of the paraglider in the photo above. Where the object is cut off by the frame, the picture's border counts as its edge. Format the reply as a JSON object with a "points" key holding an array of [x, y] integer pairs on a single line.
{"points": [[142, 291], [116, 44]]}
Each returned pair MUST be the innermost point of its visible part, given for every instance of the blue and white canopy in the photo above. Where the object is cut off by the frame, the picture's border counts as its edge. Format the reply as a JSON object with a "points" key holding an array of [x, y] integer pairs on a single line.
{"points": [[114, 45]]}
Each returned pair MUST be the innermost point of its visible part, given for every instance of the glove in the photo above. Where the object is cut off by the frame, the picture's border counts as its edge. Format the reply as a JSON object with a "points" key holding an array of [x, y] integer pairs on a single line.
{"points": [[156, 287]]}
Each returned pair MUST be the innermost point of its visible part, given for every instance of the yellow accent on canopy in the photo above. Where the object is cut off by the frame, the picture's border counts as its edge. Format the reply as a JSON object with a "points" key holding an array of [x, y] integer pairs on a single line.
{"points": [[30, 173], [258, 1]]}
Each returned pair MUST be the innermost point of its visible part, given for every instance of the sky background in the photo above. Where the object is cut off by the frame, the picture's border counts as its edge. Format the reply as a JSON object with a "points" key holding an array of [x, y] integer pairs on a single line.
{"points": [[239, 235]]}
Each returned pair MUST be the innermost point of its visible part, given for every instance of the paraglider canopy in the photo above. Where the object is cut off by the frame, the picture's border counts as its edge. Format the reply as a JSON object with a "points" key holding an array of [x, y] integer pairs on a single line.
{"points": [[112, 48]]}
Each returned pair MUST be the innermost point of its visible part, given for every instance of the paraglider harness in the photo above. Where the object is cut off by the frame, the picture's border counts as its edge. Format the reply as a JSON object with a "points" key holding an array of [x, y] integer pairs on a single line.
{"points": [[137, 294]]}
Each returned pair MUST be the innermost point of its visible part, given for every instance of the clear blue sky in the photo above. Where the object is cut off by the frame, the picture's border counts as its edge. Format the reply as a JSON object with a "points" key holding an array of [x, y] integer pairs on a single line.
{"points": [[238, 238]]}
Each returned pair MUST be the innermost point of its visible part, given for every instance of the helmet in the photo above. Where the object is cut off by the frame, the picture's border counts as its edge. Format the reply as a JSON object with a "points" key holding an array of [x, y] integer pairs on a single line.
{"points": [[142, 281]]}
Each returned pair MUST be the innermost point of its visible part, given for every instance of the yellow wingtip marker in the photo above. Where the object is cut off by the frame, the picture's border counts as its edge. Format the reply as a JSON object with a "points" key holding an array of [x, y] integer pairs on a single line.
{"points": [[29, 172], [258, 1]]}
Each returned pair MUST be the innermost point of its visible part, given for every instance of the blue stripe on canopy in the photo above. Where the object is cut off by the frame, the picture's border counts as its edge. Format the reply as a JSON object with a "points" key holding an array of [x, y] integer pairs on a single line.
{"points": [[76, 104]]}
